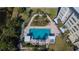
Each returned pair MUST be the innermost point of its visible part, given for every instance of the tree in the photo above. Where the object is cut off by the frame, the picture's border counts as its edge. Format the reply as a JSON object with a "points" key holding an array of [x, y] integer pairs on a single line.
{"points": [[9, 40], [21, 10], [30, 12]]}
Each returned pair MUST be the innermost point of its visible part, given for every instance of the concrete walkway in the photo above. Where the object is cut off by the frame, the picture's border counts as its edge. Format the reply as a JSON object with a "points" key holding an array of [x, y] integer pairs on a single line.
{"points": [[28, 26], [51, 25]]}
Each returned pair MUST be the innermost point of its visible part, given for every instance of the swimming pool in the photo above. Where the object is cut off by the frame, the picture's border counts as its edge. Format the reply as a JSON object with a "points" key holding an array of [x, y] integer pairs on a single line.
{"points": [[39, 34]]}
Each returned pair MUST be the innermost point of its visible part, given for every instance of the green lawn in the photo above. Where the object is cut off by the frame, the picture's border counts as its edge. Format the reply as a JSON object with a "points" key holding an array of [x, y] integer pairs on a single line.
{"points": [[52, 12], [24, 16], [61, 45]]}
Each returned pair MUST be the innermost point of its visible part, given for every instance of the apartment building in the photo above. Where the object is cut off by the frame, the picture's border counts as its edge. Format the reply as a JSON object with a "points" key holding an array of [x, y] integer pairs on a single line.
{"points": [[69, 16]]}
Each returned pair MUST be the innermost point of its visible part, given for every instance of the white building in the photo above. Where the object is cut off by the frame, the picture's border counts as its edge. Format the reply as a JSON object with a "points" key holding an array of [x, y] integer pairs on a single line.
{"points": [[70, 18]]}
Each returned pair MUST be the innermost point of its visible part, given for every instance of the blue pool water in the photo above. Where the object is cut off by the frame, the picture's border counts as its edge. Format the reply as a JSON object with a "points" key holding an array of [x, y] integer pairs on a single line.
{"points": [[39, 34]]}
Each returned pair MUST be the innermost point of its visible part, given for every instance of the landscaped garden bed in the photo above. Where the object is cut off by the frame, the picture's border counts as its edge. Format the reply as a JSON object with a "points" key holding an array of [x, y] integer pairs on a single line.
{"points": [[40, 21]]}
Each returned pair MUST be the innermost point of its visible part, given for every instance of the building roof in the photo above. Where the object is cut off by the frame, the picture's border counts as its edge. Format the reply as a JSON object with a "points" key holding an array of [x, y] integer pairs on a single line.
{"points": [[77, 9]]}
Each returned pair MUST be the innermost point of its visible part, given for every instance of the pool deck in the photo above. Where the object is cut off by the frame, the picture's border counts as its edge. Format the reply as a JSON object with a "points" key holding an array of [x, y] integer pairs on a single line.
{"points": [[53, 26], [45, 27], [50, 25]]}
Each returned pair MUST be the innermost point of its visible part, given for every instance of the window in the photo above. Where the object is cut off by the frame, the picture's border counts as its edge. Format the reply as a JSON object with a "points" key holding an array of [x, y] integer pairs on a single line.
{"points": [[75, 27], [78, 25], [71, 22], [73, 19]]}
